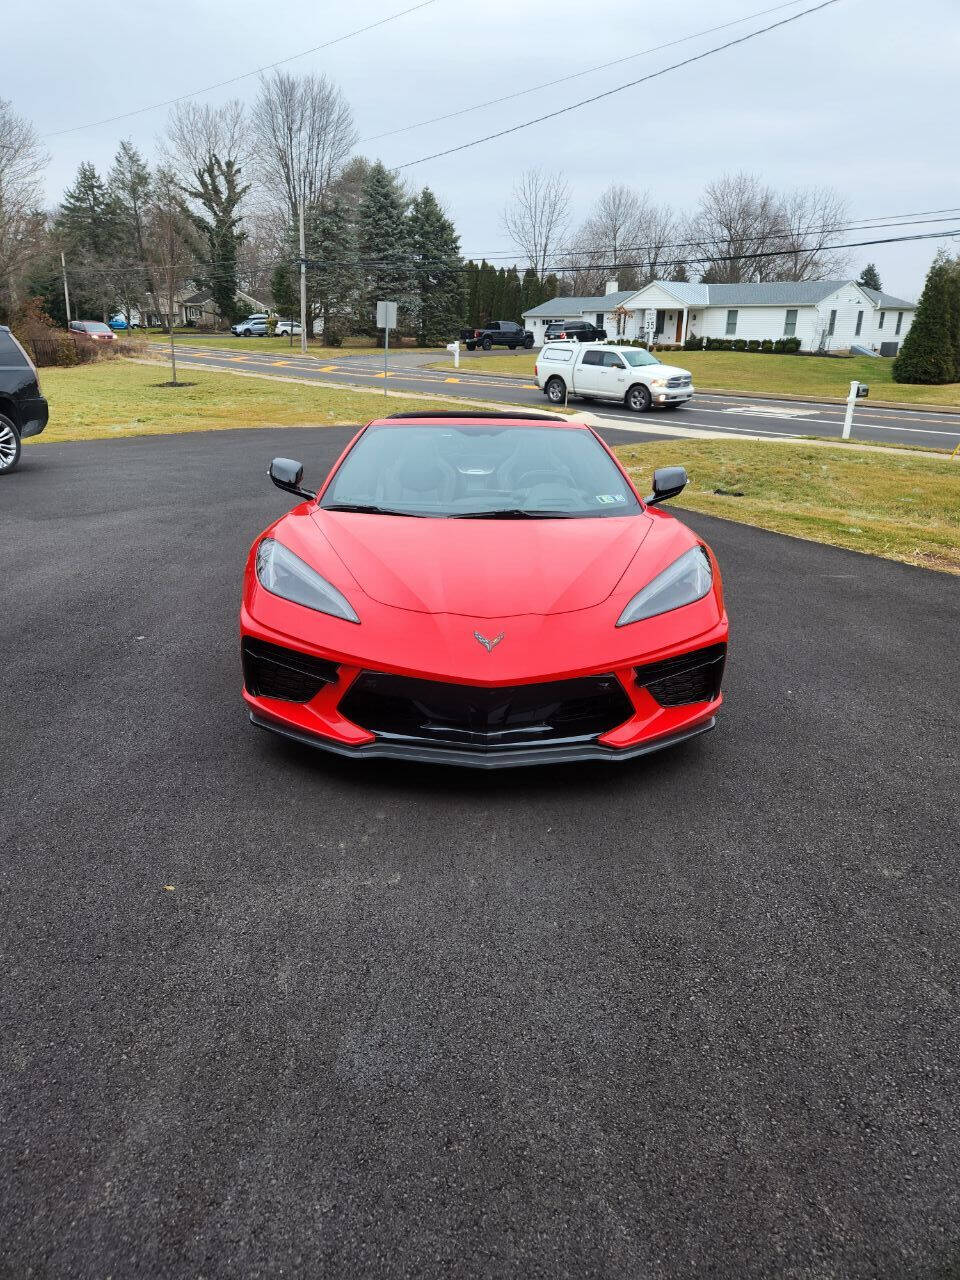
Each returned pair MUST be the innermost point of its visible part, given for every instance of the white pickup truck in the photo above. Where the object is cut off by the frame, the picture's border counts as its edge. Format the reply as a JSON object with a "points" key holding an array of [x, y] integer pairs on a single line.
{"points": [[628, 375]]}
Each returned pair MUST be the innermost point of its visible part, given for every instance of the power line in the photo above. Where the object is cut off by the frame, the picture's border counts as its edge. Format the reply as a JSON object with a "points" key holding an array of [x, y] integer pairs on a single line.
{"points": [[576, 75], [597, 97], [221, 84]]}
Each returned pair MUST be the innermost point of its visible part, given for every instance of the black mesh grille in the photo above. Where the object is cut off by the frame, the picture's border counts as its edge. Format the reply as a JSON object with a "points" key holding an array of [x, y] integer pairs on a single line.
{"points": [[270, 671], [466, 716], [691, 677]]}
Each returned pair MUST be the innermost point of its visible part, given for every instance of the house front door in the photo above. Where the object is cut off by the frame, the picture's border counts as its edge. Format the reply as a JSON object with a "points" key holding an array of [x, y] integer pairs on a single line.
{"points": [[679, 337]]}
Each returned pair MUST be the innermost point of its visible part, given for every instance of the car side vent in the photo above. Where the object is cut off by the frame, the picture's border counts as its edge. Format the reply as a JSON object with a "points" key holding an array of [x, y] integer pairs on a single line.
{"points": [[270, 671], [690, 677]]}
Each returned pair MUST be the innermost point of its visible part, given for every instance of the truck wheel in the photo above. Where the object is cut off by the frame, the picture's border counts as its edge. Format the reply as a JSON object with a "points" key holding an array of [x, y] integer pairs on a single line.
{"points": [[9, 445], [471, 346], [486, 344], [248, 333], [556, 390], [638, 398], [528, 341]]}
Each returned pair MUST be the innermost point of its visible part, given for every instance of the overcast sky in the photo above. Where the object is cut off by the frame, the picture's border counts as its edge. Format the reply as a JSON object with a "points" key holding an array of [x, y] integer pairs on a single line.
{"points": [[860, 96]]}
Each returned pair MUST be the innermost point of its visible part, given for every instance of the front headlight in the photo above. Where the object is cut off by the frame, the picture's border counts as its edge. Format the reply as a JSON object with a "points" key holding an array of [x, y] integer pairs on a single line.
{"points": [[658, 382], [686, 580], [284, 574]]}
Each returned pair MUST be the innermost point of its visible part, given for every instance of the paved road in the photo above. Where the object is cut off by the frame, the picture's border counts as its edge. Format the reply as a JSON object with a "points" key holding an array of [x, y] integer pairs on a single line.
{"points": [[722, 415], [692, 1016]]}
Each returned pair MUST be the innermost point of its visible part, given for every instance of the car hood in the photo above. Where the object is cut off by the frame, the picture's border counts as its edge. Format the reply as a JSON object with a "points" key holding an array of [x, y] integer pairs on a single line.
{"points": [[484, 568], [664, 371]]}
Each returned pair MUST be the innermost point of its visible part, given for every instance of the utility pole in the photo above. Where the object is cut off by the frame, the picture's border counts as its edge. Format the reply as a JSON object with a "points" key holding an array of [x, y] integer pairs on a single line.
{"points": [[303, 283], [66, 290]]}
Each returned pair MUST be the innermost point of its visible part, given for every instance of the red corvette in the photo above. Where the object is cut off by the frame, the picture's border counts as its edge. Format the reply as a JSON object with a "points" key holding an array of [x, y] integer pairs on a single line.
{"points": [[482, 589]]}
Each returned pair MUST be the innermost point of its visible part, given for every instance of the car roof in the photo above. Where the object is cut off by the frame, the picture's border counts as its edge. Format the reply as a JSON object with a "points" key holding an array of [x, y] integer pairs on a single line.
{"points": [[442, 418]]}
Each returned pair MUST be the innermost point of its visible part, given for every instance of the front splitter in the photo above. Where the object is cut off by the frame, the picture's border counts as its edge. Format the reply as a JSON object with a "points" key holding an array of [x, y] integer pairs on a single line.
{"points": [[426, 753]]}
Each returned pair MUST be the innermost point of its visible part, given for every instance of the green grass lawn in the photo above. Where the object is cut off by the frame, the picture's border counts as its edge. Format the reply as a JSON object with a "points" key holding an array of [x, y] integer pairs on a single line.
{"points": [[351, 347], [119, 398], [887, 503], [737, 371]]}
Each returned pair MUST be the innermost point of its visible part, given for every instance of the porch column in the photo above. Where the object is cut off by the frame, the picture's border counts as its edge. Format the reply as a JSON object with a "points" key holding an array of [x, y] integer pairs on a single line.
{"points": [[683, 327]]}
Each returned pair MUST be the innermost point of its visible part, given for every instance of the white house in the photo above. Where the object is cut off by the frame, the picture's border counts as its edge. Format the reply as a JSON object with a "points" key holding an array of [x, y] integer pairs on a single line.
{"points": [[826, 315]]}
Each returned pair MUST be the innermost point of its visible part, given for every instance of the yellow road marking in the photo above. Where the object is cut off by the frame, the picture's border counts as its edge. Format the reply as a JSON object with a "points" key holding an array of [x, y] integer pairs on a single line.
{"points": [[328, 368], [451, 379], [278, 363]]}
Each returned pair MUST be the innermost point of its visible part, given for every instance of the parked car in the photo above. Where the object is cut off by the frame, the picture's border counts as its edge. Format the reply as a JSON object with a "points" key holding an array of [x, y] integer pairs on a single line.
{"points": [[23, 410], [96, 330], [254, 326], [286, 327], [629, 375], [601, 636], [119, 324], [575, 330], [499, 333]]}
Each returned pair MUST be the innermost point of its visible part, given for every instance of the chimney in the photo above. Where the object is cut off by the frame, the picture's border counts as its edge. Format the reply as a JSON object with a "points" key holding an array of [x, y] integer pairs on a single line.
{"points": [[613, 286]]}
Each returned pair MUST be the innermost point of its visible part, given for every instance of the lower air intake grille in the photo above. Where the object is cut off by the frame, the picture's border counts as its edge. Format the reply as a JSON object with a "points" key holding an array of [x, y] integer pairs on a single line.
{"points": [[489, 719], [691, 677], [270, 671]]}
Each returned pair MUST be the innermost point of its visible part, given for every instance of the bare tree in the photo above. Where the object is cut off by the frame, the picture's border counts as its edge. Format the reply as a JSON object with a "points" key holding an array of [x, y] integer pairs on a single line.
{"points": [[537, 216], [303, 133], [22, 225], [810, 219], [171, 251], [195, 133], [737, 219], [626, 237]]}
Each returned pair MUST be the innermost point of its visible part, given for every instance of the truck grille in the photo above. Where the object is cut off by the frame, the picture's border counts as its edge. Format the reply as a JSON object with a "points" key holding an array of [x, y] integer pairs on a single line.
{"points": [[680, 380], [270, 671], [466, 716], [691, 677]]}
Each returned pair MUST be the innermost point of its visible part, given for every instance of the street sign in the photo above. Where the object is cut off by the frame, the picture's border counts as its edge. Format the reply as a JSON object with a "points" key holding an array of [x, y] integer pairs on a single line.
{"points": [[386, 315]]}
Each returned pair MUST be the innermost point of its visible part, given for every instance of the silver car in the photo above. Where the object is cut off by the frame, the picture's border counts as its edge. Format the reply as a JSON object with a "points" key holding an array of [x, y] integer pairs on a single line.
{"points": [[254, 326]]}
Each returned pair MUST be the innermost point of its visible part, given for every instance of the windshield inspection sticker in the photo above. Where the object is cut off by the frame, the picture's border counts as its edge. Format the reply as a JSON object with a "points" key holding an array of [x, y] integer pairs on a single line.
{"points": [[611, 497]]}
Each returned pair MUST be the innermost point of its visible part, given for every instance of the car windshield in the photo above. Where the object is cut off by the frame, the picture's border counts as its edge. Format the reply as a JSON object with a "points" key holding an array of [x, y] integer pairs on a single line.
{"points": [[637, 356], [480, 471], [95, 326]]}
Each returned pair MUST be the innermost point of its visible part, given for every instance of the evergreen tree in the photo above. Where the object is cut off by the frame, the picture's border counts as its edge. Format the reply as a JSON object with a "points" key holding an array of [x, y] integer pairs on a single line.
{"points": [[550, 288], [87, 226], [218, 190], [130, 187], [333, 281], [471, 290], [284, 291], [510, 302], [486, 291], [530, 291], [496, 312], [680, 272], [870, 277], [929, 352], [383, 245], [435, 247]]}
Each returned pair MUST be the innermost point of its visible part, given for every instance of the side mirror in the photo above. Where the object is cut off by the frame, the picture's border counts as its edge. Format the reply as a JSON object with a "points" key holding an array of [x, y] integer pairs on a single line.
{"points": [[286, 474], [667, 483]]}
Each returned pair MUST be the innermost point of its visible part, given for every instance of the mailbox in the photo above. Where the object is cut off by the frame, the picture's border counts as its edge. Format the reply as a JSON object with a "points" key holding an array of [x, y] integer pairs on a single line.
{"points": [[863, 390]]}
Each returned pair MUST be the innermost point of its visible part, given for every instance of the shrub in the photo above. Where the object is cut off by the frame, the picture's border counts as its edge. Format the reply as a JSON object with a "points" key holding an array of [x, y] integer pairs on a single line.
{"points": [[766, 346], [753, 344], [739, 344], [693, 343]]}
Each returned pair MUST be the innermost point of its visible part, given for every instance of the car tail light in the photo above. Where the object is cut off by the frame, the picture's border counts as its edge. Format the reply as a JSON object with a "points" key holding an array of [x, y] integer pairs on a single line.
{"points": [[476, 333]]}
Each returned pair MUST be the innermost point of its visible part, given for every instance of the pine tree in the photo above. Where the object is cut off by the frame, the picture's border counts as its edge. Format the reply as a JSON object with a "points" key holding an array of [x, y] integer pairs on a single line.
{"points": [[471, 288], [383, 246], [130, 187], [283, 290], [870, 278], [486, 293], [333, 282], [680, 273], [530, 291], [88, 228], [436, 255], [496, 312], [550, 288], [929, 351], [510, 304]]}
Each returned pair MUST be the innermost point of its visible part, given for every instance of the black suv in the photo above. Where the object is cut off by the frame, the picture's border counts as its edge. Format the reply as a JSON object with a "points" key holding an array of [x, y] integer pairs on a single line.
{"points": [[575, 330], [23, 410]]}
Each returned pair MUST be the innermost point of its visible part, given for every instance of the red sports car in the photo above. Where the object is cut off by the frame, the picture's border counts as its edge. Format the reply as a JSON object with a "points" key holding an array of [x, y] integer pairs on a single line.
{"points": [[482, 589]]}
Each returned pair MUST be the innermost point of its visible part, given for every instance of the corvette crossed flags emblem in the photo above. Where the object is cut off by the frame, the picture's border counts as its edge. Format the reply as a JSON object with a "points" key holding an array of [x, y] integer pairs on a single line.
{"points": [[489, 645]]}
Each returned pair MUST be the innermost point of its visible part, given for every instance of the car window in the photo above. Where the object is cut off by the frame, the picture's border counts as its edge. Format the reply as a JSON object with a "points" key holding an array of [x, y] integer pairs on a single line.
{"points": [[562, 354], [11, 353], [612, 361], [481, 470], [593, 357], [637, 357]]}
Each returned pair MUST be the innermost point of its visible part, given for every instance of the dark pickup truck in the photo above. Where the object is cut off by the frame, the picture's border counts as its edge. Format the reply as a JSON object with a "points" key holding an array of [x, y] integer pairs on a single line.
{"points": [[499, 333], [23, 410]]}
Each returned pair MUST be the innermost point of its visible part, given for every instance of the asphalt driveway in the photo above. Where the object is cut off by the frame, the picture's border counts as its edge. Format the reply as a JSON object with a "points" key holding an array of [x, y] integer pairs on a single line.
{"points": [[264, 1012]]}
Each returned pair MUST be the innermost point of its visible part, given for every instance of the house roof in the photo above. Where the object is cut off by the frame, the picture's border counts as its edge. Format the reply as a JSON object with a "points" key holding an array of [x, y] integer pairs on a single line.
{"points": [[197, 299], [560, 307], [887, 299]]}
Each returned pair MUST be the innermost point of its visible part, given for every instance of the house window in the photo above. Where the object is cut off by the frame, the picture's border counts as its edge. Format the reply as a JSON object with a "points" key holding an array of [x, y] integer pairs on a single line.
{"points": [[790, 323], [599, 319], [899, 321], [832, 327], [859, 322], [880, 322], [731, 323]]}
